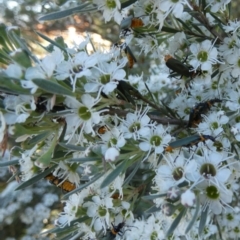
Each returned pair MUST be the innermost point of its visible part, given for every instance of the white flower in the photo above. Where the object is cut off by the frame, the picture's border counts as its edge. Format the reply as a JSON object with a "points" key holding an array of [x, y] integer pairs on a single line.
{"points": [[157, 82], [14, 70], [230, 218], [2, 126], [213, 123], [71, 207], [176, 7], [106, 76], [154, 138], [83, 116], [182, 104], [111, 154], [173, 172], [98, 210], [76, 67], [110, 8], [22, 106], [236, 131], [26, 164], [209, 167], [234, 96], [229, 47], [204, 55], [149, 45], [153, 229], [214, 197], [134, 123], [62, 171], [232, 26], [112, 138], [177, 43], [30, 74], [86, 229], [188, 198], [136, 233], [218, 5]]}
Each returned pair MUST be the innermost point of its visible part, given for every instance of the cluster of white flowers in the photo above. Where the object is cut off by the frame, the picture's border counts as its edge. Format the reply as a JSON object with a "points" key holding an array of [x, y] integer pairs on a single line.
{"points": [[119, 137]]}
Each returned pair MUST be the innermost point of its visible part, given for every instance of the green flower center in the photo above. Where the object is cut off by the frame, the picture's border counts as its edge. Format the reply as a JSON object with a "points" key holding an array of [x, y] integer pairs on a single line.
{"points": [[229, 217], [236, 230], [218, 145], [214, 125], [84, 113], [123, 212], [74, 209], [134, 127], [212, 192], [113, 141], [102, 211], [237, 119], [202, 56], [214, 85], [154, 236], [238, 63], [111, 4], [177, 173], [232, 44], [104, 79], [187, 110], [208, 170], [156, 140], [148, 8]]}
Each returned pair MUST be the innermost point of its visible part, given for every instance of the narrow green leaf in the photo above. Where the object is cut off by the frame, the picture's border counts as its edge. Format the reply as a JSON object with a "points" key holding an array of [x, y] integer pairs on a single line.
{"points": [[151, 210], [184, 24], [176, 221], [35, 178], [194, 218], [35, 140], [215, 73], [72, 147], [203, 220], [143, 31], [170, 30], [85, 159], [51, 41], [47, 156], [8, 163], [197, 28], [13, 177], [21, 43], [52, 87], [154, 196], [150, 93], [169, 110], [22, 130], [184, 141], [63, 229], [67, 12], [5, 42], [110, 178], [11, 39], [96, 177], [57, 148], [12, 85], [127, 3], [132, 174]]}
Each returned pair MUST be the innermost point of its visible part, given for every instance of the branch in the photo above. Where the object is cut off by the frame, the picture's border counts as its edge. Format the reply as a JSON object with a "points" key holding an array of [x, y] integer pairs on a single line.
{"points": [[162, 120]]}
